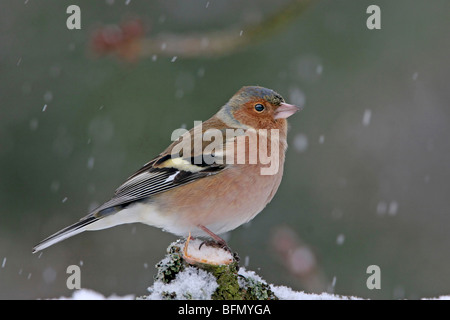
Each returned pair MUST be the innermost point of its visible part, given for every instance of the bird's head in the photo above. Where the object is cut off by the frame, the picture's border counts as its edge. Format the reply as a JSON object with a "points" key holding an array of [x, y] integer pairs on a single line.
{"points": [[258, 108]]}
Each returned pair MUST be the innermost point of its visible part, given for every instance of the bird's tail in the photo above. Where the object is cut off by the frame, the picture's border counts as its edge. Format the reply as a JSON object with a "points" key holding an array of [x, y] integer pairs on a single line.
{"points": [[65, 233]]}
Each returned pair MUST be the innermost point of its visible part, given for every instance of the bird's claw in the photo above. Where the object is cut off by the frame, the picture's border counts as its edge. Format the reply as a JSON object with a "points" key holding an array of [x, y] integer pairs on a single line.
{"points": [[218, 244]]}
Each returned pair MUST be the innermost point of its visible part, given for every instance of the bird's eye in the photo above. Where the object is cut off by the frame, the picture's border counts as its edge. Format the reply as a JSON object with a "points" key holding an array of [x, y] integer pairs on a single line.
{"points": [[259, 107]]}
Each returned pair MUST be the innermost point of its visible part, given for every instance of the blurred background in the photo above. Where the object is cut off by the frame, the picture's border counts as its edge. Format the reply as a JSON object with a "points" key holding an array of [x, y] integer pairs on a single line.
{"points": [[367, 177]]}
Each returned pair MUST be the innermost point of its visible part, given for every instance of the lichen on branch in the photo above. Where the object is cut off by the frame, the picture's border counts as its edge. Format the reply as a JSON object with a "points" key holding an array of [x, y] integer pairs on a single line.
{"points": [[178, 279]]}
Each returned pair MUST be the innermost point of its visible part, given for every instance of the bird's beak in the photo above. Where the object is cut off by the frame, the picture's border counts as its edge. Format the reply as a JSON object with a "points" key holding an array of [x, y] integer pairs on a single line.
{"points": [[285, 111]]}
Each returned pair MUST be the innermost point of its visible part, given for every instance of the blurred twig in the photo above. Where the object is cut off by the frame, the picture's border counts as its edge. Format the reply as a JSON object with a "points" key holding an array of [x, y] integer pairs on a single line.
{"points": [[210, 44]]}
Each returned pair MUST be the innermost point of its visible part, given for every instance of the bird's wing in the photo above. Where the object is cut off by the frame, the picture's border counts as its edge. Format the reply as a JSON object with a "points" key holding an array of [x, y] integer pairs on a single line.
{"points": [[159, 175]]}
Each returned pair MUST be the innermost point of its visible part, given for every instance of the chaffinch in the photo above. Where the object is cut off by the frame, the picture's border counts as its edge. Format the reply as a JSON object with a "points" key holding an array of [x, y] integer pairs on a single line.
{"points": [[202, 187]]}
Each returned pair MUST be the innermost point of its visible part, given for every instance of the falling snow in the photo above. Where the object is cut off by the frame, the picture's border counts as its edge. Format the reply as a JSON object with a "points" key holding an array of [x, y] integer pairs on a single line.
{"points": [[300, 142], [340, 239], [90, 163], [319, 69], [308, 68], [49, 275], [366, 117], [48, 96], [34, 123], [297, 97], [321, 139], [390, 208], [381, 207], [393, 207], [54, 186]]}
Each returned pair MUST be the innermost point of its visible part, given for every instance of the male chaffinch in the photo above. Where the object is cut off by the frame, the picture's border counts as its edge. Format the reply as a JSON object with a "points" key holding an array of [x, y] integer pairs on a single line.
{"points": [[185, 192]]}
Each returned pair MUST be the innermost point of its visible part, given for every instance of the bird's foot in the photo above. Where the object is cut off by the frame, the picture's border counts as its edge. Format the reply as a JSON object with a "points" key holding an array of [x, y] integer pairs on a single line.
{"points": [[216, 242]]}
